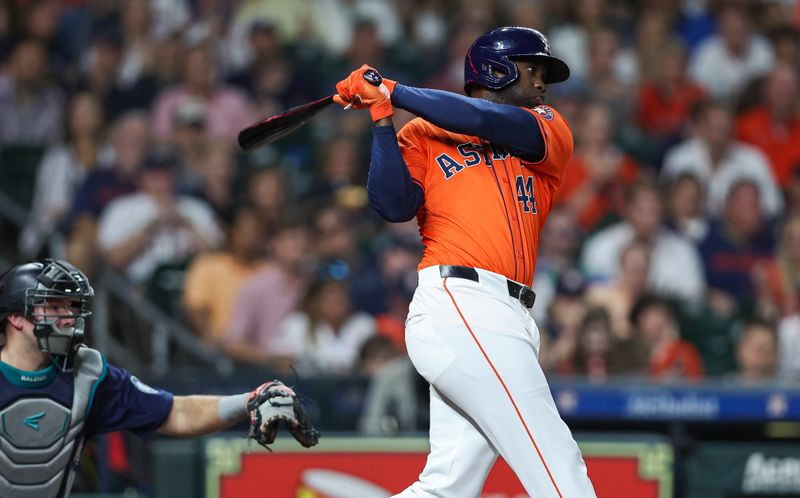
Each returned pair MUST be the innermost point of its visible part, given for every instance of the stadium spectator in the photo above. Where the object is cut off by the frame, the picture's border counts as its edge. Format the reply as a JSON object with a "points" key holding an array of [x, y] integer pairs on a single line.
{"points": [[599, 354], [599, 173], [719, 161], [726, 61], [757, 353], [785, 40], [138, 45], [140, 231], [168, 66], [774, 125], [227, 109], [214, 279], [336, 244], [346, 15], [396, 401], [32, 104], [665, 99], [450, 74], [340, 168], [190, 143], [643, 222], [375, 353], [735, 250], [61, 172], [570, 40], [129, 139], [780, 288], [282, 282], [558, 247], [618, 296], [266, 190], [275, 78], [101, 76], [559, 334], [612, 72], [686, 207], [40, 21], [325, 335], [217, 174], [653, 36], [670, 357], [261, 43]]}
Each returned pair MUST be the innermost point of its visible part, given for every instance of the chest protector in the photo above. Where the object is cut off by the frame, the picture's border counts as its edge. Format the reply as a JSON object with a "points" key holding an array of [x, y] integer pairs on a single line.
{"points": [[41, 440]]}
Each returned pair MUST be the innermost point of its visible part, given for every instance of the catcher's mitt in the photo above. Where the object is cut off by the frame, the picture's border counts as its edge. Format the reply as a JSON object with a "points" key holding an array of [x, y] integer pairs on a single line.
{"points": [[272, 403]]}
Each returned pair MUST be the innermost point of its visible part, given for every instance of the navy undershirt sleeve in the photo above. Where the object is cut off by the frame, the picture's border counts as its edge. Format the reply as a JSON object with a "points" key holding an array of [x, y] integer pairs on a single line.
{"points": [[510, 126], [390, 189]]}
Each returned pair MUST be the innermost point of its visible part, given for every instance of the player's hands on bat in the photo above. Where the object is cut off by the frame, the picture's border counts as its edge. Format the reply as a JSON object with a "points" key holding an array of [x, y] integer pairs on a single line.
{"points": [[366, 88]]}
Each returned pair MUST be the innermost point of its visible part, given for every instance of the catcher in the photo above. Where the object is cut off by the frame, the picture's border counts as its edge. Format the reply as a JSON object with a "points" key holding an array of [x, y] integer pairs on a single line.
{"points": [[55, 392]]}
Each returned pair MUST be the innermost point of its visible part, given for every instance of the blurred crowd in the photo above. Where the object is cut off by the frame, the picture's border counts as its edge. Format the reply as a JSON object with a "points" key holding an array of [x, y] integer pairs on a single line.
{"points": [[673, 251]]}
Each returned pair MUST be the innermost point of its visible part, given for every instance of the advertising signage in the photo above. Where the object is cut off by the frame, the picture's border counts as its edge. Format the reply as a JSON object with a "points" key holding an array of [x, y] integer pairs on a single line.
{"points": [[379, 468]]}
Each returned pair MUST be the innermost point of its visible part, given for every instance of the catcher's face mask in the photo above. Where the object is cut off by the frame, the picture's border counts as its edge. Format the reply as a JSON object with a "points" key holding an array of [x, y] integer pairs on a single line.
{"points": [[58, 307]]}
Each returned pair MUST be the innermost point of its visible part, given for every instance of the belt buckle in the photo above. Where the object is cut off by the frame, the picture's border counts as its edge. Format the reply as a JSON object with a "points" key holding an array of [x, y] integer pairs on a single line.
{"points": [[527, 296]]}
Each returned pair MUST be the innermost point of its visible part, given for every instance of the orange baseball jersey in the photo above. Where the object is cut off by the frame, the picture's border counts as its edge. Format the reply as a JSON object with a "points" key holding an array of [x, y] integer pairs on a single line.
{"points": [[483, 207]]}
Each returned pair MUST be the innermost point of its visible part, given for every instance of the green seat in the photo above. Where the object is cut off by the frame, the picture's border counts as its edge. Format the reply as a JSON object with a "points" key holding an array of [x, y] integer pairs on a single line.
{"points": [[712, 335]]}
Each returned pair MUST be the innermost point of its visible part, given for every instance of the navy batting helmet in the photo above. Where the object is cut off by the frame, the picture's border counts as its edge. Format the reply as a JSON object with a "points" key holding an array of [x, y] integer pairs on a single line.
{"points": [[490, 60]]}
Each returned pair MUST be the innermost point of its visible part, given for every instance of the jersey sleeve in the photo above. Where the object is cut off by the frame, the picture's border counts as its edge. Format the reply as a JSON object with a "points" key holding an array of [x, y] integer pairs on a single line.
{"points": [[412, 139], [558, 142], [123, 402]]}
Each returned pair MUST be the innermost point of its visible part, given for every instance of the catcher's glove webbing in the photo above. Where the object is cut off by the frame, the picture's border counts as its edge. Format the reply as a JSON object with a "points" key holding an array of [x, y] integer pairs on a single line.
{"points": [[272, 403]]}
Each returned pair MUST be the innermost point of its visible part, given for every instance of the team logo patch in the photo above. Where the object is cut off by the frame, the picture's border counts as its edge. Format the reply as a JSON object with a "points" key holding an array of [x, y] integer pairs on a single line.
{"points": [[33, 420], [138, 384], [544, 112]]}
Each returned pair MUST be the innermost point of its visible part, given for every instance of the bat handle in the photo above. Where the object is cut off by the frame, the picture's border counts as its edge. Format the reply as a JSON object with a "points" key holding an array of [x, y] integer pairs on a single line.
{"points": [[372, 77], [348, 106]]}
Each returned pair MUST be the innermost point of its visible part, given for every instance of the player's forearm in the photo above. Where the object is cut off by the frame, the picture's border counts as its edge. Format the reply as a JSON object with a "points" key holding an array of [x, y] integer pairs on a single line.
{"points": [[200, 415], [507, 125], [390, 188]]}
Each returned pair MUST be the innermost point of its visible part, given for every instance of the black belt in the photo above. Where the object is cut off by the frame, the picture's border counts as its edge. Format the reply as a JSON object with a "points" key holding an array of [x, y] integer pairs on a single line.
{"points": [[522, 293]]}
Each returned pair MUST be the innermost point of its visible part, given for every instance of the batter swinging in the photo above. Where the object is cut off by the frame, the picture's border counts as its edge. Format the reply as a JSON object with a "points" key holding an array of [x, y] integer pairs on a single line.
{"points": [[480, 173]]}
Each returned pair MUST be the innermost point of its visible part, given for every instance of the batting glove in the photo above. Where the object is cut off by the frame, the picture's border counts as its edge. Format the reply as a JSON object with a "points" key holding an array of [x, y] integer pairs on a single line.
{"points": [[366, 88]]}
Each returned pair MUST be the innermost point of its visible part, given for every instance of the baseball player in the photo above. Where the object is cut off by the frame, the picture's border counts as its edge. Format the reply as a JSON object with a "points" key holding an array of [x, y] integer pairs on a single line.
{"points": [[480, 174], [54, 392]]}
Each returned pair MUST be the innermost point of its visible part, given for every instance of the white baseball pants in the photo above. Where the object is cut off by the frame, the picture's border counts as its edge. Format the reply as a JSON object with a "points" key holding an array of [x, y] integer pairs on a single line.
{"points": [[478, 347]]}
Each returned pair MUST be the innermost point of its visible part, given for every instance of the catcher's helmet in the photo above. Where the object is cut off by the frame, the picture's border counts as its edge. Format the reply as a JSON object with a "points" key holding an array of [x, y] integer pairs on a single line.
{"points": [[495, 51], [25, 287]]}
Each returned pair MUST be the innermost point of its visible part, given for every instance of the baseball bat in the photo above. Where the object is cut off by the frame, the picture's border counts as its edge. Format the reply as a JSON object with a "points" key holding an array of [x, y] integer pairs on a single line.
{"points": [[274, 127]]}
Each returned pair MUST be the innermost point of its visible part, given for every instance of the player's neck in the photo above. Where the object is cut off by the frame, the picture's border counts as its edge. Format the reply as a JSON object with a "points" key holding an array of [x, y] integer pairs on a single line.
{"points": [[22, 355]]}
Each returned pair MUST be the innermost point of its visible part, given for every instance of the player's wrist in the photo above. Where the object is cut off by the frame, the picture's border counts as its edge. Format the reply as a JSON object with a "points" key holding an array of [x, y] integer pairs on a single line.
{"points": [[381, 110], [233, 408]]}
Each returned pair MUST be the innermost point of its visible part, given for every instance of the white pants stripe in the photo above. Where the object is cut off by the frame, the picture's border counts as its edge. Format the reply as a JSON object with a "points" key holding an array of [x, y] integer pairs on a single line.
{"points": [[478, 348]]}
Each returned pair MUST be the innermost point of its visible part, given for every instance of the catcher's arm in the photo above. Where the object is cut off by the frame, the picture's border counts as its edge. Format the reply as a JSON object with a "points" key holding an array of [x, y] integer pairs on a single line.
{"points": [[198, 416], [265, 408]]}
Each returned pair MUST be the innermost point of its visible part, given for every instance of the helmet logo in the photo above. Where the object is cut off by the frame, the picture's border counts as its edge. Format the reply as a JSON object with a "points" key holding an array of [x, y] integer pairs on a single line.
{"points": [[546, 45], [33, 420]]}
